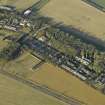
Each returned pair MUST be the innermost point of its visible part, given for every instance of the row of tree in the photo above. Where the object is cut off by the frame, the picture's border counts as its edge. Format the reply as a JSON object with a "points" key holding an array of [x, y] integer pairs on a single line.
{"points": [[75, 47]]}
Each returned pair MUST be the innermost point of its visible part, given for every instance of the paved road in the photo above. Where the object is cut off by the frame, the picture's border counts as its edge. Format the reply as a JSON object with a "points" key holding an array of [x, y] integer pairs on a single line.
{"points": [[59, 96]]}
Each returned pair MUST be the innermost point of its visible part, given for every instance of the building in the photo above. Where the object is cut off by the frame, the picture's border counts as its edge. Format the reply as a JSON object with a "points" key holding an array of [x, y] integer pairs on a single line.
{"points": [[83, 60], [7, 8], [10, 28], [27, 12]]}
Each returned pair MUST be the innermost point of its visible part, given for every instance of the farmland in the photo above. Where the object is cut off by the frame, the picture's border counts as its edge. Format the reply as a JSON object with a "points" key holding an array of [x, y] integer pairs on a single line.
{"points": [[7, 32], [99, 2], [28, 59], [2, 35], [23, 66], [20, 4], [2, 44], [78, 14], [16, 93], [56, 79]]}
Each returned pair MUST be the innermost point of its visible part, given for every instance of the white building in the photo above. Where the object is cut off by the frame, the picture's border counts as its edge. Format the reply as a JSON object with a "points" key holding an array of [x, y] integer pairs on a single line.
{"points": [[27, 12], [83, 60]]}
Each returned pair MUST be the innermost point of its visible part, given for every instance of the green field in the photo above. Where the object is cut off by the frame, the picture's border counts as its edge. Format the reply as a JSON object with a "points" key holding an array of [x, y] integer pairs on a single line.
{"points": [[22, 66], [13, 92], [99, 2], [20, 4]]}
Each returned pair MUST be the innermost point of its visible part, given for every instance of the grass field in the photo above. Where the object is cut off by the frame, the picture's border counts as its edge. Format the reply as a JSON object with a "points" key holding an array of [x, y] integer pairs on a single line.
{"points": [[57, 79], [3, 44], [3, 34], [78, 14], [28, 60], [69, 12], [20, 4], [15, 93], [8, 32], [22, 66], [99, 2]]}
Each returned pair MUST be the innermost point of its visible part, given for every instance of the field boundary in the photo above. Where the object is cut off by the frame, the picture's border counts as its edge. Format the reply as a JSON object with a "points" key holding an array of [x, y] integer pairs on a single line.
{"points": [[97, 6]]}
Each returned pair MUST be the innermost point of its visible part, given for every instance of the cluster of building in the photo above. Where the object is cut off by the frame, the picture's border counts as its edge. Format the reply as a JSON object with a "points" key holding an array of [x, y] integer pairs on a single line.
{"points": [[13, 24], [101, 79], [62, 60], [10, 24], [83, 60]]}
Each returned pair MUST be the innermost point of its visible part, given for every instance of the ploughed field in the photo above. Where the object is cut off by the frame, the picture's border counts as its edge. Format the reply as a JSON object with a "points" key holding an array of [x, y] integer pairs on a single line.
{"points": [[78, 14]]}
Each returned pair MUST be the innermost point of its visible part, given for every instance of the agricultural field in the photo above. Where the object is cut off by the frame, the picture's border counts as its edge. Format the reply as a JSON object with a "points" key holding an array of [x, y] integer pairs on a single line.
{"points": [[28, 60], [13, 92], [2, 35], [3, 44], [20, 4], [99, 2], [22, 66], [78, 14], [74, 13], [57, 79]]}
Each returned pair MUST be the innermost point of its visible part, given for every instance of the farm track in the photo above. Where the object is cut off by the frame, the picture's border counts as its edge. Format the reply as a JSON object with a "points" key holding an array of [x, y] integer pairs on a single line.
{"points": [[44, 89], [38, 65]]}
